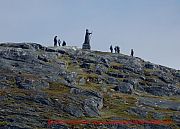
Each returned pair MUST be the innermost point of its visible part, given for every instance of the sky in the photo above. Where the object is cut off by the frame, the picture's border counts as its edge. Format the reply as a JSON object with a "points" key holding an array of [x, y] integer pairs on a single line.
{"points": [[150, 27]]}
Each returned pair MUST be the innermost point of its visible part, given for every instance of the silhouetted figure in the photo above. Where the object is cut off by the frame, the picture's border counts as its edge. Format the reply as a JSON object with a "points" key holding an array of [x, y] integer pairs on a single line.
{"points": [[111, 49], [115, 49], [118, 49], [55, 41], [64, 43], [59, 42], [132, 52], [86, 44]]}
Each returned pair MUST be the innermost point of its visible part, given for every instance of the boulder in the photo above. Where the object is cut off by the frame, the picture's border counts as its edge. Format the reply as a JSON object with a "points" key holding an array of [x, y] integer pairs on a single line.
{"points": [[104, 61], [43, 58], [100, 69], [141, 112], [131, 81], [124, 88], [23, 83], [85, 92], [117, 75], [112, 80], [42, 99], [164, 90], [158, 116], [176, 118], [82, 81], [149, 65], [177, 74], [18, 55], [16, 45], [70, 77], [85, 65], [92, 103], [73, 110], [91, 106], [164, 104]]}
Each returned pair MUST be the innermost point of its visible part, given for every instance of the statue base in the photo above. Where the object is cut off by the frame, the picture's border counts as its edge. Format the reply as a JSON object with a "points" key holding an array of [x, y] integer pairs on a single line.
{"points": [[86, 46]]}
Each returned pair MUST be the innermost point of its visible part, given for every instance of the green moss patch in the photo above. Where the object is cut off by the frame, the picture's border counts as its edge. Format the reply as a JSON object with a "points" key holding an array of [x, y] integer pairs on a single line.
{"points": [[56, 88], [2, 123]]}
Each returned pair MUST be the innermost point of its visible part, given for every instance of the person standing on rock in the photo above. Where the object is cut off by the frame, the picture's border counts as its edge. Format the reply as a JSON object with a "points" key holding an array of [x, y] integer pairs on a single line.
{"points": [[55, 41], [115, 49], [111, 49], [59, 42], [118, 49], [132, 52], [64, 43]]}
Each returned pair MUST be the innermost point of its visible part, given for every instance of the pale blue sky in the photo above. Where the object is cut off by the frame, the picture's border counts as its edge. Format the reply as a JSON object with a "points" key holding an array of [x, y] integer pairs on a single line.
{"points": [[150, 27]]}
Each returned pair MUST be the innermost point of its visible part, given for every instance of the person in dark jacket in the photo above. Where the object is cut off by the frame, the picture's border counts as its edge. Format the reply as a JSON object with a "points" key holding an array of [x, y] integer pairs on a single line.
{"points": [[64, 43], [111, 49], [55, 41], [59, 42], [132, 52], [118, 49], [115, 49]]}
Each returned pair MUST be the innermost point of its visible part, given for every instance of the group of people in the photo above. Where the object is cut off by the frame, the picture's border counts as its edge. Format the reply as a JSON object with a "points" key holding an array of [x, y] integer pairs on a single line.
{"points": [[117, 50], [86, 44], [58, 42]]}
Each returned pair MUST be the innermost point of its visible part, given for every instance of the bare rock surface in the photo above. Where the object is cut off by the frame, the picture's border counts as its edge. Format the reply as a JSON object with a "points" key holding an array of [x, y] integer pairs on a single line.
{"points": [[39, 83]]}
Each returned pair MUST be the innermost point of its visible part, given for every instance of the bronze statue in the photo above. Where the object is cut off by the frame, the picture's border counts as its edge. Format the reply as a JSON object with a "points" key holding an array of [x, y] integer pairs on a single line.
{"points": [[86, 44]]}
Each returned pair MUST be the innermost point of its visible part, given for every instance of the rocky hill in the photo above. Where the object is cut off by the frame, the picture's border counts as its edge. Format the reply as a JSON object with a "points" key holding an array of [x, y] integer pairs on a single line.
{"points": [[40, 83]]}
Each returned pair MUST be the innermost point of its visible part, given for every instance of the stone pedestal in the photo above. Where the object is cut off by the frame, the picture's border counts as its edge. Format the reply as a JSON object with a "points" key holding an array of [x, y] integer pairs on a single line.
{"points": [[86, 46]]}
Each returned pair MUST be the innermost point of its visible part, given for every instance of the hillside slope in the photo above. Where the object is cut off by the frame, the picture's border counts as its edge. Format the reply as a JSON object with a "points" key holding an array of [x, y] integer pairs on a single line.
{"points": [[65, 83]]}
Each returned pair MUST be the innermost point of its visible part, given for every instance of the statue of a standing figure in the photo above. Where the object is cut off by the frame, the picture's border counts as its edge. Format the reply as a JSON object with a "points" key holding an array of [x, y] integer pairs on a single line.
{"points": [[86, 44]]}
